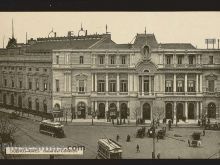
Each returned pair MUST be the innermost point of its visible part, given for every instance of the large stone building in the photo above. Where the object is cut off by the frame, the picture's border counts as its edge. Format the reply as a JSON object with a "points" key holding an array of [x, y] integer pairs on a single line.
{"points": [[84, 74]]}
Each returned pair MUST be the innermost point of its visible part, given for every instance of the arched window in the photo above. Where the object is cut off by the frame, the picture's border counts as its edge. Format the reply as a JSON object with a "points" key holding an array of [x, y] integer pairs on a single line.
{"points": [[146, 111], [169, 111]]}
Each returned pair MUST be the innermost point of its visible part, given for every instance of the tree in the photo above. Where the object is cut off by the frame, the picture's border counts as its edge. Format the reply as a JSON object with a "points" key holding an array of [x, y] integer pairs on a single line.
{"points": [[158, 113], [136, 113], [7, 130]]}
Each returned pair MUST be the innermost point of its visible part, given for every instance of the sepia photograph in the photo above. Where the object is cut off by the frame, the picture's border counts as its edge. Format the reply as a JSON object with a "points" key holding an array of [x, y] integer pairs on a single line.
{"points": [[110, 85]]}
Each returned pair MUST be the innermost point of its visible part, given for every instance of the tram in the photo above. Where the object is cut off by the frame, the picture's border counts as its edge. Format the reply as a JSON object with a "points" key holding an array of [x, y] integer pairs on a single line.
{"points": [[109, 149]]}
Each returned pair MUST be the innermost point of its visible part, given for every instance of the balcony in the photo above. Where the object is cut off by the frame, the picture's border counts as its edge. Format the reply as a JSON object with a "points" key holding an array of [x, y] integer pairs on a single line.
{"points": [[212, 93]]}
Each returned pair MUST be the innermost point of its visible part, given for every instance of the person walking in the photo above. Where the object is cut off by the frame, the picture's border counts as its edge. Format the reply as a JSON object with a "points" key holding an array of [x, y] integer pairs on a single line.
{"points": [[117, 137], [189, 142], [203, 132], [158, 156], [138, 148]]}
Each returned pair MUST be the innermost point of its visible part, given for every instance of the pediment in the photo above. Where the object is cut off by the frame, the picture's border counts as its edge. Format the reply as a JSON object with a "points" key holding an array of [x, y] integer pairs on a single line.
{"points": [[146, 66]]}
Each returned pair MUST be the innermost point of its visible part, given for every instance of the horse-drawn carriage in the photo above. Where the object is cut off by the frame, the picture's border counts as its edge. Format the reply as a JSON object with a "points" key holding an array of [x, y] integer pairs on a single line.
{"points": [[196, 142], [212, 126], [141, 132]]}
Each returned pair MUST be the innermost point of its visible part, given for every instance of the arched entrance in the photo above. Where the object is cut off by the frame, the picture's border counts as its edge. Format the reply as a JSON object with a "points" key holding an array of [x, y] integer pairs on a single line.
{"points": [[169, 111], [191, 111], [81, 110], [146, 111], [179, 111], [12, 100], [101, 114], [4, 99], [19, 101], [37, 104], [211, 110], [124, 111], [45, 106], [112, 110]]}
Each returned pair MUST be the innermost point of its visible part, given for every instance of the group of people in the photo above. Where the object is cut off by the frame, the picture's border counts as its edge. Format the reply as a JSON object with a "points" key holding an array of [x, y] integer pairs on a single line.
{"points": [[204, 120]]}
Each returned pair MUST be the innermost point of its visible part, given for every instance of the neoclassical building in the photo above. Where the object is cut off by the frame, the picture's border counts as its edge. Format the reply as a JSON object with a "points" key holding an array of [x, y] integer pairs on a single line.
{"points": [[91, 74]]}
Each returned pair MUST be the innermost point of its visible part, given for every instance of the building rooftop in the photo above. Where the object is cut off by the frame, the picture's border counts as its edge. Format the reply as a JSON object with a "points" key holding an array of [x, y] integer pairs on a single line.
{"points": [[145, 39], [176, 46]]}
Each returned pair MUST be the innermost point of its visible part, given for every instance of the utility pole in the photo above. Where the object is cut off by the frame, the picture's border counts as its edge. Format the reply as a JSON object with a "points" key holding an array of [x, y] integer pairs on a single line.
{"points": [[153, 153]]}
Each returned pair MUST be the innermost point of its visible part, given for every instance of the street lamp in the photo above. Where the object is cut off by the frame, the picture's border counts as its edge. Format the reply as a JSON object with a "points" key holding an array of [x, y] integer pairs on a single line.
{"points": [[153, 153]]}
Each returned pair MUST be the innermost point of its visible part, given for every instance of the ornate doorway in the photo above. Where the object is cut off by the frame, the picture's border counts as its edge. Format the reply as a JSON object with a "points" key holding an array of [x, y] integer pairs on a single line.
{"points": [[179, 111], [124, 111], [81, 109], [101, 114], [211, 110], [146, 111], [191, 111], [169, 111]]}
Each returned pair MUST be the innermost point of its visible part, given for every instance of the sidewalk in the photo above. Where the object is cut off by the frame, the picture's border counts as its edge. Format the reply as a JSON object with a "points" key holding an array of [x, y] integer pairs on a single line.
{"points": [[101, 122]]}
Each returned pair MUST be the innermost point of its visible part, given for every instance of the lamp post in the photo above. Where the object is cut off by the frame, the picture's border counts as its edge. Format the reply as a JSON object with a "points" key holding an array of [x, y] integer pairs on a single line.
{"points": [[153, 153]]}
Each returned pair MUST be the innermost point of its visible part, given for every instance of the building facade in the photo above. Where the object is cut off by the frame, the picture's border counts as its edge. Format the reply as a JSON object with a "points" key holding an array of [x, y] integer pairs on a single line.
{"points": [[91, 74]]}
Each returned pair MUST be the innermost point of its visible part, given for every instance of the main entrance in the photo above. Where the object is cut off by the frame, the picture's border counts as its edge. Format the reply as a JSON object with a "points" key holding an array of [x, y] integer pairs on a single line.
{"points": [[179, 111], [124, 111], [81, 110], [211, 110], [146, 111], [169, 111], [113, 111], [101, 114], [191, 111]]}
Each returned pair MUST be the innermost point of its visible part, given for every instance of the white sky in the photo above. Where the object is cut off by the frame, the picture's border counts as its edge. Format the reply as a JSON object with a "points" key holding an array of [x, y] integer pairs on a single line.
{"points": [[168, 27]]}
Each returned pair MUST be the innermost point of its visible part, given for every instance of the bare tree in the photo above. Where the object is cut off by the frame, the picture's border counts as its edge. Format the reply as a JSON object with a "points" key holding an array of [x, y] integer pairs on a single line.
{"points": [[136, 113], [158, 113]]}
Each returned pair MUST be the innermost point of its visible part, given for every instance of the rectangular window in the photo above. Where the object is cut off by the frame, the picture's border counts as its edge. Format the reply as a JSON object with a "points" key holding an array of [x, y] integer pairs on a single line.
{"points": [[112, 60], [211, 85], [5, 82], [112, 86], [57, 86], [37, 85], [169, 86], [101, 60], [210, 59], [101, 85], [57, 59], [81, 86], [20, 84], [45, 86], [146, 85], [30, 85], [168, 60], [12, 84], [123, 60], [191, 86], [180, 87], [191, 60], [179, 59], [123, 86], [81, 59]]}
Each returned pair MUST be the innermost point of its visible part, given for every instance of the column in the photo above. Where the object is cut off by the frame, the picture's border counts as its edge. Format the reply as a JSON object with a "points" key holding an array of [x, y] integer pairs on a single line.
{"points": [[197, 83], [92, 107], [118, 109], [65, 82], [129, 83], [201, 110], [96, 106], [174, 83], [200, 83], [92, 82], [106, 108], [142, 85], [118, 84], [197, 110], [174, 110], [185, 88], [186, 110], [95, 82], [106, 89], [150, 85]]}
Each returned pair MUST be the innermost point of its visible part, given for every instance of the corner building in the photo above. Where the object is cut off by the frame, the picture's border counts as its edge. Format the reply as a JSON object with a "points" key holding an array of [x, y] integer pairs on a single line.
{"points": [[140, 80]]}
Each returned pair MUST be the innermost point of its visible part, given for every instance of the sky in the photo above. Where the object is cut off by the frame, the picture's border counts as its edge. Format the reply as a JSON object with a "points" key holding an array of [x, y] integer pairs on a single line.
{"points": [[168, 27]]}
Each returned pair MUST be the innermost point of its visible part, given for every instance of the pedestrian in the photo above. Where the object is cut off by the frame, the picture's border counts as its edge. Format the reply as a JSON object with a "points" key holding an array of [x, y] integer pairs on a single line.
{"points": [[203, 132], [158, 156], [189, 142], [128, 138], [138, 148], [117, 137]]}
